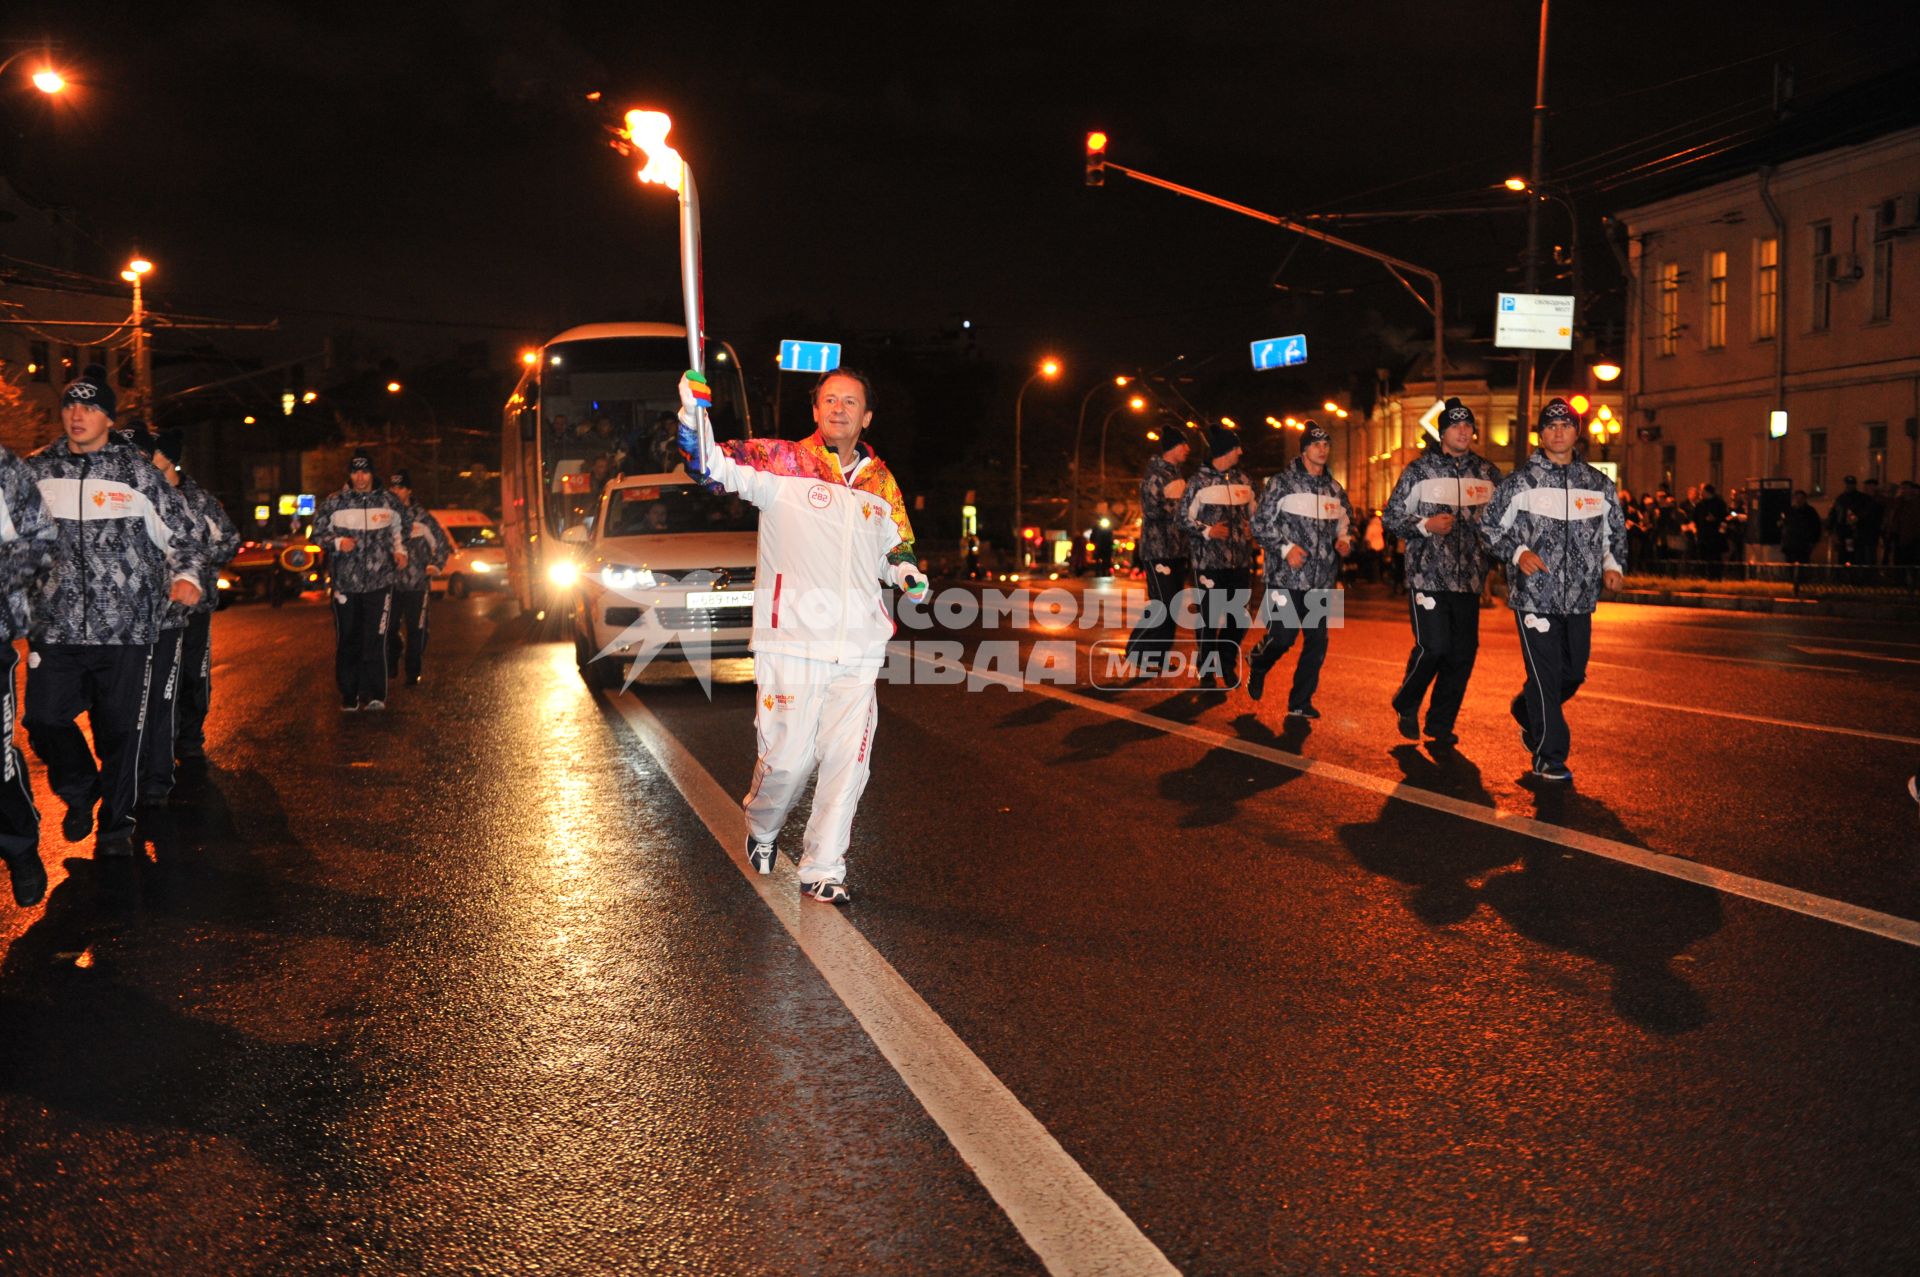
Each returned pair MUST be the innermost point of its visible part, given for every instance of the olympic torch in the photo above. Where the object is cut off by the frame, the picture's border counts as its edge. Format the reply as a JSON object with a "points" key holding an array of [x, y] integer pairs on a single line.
{"points": [[646, 132]]}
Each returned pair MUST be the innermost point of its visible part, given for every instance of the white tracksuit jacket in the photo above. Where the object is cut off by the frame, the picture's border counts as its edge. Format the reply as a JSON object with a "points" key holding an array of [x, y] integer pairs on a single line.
{"points": [[827, 541]]}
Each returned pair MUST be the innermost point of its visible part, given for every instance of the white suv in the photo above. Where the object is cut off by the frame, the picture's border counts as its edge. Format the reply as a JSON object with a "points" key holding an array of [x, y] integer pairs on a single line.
{"points": [[666, 573]]}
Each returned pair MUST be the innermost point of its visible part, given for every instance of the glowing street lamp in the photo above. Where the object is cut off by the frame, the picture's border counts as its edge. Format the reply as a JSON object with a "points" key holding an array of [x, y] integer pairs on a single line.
{"points": [[1137, 404], [646, 132], [136, 271], [1606, 370], [1050, 369], [44, 77]]}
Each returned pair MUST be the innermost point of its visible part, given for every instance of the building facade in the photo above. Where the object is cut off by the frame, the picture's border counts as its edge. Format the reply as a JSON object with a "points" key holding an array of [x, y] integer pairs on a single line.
{"points": [[1793, 289]]}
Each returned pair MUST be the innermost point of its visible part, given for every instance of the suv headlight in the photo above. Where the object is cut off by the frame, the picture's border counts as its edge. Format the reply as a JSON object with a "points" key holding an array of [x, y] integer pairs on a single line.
{"points": [[618, 576]]}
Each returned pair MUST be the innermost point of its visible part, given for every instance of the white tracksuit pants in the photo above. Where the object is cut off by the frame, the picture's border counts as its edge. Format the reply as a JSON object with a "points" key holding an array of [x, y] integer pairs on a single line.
{"points": [[808, 714]]}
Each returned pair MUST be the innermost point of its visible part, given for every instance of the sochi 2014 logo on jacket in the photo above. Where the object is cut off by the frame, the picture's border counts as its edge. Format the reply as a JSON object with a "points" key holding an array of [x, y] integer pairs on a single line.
{"points": [[121, 502]]}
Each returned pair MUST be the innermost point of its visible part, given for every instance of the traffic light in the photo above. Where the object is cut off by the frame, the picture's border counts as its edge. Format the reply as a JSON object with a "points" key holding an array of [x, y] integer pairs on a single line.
{"points": [[1029, 533], [1096, 159]]}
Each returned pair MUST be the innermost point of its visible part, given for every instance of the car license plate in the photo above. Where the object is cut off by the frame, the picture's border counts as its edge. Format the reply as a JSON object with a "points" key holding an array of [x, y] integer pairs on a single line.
{"points": [[720, 598]]}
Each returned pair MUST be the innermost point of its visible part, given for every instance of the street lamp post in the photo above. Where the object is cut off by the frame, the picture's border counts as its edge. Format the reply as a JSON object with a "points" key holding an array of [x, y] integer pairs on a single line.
{"points": [[1535, 175], [134, 274], [1049, 368], [433, 417], [1073, 500], [1136, 404]]}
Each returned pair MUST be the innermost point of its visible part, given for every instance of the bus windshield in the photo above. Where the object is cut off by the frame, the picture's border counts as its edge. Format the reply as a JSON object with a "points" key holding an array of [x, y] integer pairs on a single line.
{"points": [[607, 408]]}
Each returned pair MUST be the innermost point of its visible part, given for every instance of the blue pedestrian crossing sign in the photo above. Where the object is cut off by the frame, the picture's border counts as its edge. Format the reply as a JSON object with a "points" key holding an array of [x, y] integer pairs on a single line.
{"points": [[1280, 352], [809, 356]]}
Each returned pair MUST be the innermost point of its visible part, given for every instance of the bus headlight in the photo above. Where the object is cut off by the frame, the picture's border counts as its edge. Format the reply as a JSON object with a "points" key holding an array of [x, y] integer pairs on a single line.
{"points": [[564, 573]]}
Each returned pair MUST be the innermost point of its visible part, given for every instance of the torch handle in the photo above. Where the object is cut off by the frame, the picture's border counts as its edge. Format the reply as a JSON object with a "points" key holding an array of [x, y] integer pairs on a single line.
{"points": [[690, 277]]}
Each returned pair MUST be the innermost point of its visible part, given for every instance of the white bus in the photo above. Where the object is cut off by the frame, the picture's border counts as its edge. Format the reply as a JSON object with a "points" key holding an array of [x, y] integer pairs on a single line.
{"points": [[592, 401]]}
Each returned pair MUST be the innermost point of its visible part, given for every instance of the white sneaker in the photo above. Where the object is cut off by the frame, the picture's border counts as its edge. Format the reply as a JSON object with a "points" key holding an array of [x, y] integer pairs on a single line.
{"points": [[373, 705], [832, 893], [760, 855]]}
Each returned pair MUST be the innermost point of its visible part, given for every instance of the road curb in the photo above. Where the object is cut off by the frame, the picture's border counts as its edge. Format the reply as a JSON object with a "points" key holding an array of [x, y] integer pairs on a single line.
{"points": [[1785, 605]]}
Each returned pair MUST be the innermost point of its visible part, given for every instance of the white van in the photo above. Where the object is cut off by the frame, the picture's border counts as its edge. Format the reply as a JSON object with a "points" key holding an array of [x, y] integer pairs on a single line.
{"points": [[662, 544], [479, 559]]}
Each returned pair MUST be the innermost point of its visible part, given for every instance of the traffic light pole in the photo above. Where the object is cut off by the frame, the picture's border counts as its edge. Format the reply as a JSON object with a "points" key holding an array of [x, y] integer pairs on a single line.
{"points": [[1395, 266], [1523, 424]]}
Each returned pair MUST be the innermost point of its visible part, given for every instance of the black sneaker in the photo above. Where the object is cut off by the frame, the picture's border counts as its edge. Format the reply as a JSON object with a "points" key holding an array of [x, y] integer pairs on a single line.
{"points": [[1410, 726], [348, 705], [832, 893], [413, 680], [1444, 736], [1302, 711], [1527, 738], [78, 822], [153, 798], [119, 846], [1256, 681], [1556, 773], [29, 878], [760, 855]]}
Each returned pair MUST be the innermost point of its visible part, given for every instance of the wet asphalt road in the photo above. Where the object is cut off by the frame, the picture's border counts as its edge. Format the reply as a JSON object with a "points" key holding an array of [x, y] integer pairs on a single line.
{"points": [[471, 987]]}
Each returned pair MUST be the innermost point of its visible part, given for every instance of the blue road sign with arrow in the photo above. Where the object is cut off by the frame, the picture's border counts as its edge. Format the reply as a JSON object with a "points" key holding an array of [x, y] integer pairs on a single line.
{"points": [[809, 356], [1280, 352]]}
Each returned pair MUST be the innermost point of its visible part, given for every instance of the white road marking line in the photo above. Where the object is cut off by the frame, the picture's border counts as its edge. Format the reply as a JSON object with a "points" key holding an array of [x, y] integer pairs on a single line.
{"points": [[1066, 1218], [1903, 930], [1858, 656], [1736, 716], [1731, 660]]}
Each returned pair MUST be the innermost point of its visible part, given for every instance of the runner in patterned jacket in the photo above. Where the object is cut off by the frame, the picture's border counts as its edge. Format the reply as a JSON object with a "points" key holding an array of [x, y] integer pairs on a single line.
{"points": [[361, 528], [1219, 519], [1162, 553], [27, 541], [427, 546], [169, 647], [1436, 509], [196, 658], [125, 537], [1304, 524], [1557, 522], [128, 543]]}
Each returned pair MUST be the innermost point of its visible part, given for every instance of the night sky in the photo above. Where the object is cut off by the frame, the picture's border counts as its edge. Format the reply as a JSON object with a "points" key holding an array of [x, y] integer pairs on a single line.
{"points": [[900, 167]]}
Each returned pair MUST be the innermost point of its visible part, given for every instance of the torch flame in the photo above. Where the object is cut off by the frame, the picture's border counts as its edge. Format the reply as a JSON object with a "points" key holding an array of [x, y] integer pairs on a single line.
{"points": [[648, 131]]}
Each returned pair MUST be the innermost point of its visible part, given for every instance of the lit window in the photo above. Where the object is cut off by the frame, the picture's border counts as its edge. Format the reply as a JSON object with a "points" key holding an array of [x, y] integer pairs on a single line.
{"points": [[1716, 300], [1766, 289]]}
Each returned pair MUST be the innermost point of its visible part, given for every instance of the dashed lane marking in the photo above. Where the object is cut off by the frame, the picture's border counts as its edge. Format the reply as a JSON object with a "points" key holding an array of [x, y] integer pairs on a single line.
{"points": [[1761, 719], [1066, 1218], [1903, 930], [1858, 656]]}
